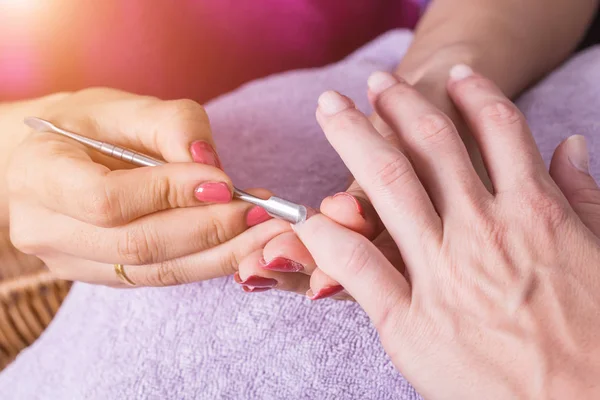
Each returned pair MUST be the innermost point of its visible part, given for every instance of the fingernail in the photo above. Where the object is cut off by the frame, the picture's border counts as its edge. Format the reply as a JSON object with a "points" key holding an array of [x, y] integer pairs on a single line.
{"points": [[250, 289], [257, 215], [353, 200], [460, 72], [380, 81], [577, 152], [255, 281], [281, 264], [331, 103], [213, 192], [204, 153], [327, 291]]}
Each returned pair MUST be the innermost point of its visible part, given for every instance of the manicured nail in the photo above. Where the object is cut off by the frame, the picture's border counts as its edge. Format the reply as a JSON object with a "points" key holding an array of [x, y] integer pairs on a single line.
{"points": [[353, 200], [331, 103], [203, 153], [460, 72], [327, 291], [213, 192], [577, 152], [380, 81], [256, 215], [250, 289], [255, 281], [282, 264]]}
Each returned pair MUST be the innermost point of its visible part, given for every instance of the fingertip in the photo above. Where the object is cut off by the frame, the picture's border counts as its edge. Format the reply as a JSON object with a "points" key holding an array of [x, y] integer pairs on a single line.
{"points": [[344, 208], [331, 103], [380, 81], [459, 72], [203, 152]]}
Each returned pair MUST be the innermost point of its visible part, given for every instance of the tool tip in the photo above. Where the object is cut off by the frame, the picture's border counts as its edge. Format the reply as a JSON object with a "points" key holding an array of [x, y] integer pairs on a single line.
{"points": [[38, 124]]}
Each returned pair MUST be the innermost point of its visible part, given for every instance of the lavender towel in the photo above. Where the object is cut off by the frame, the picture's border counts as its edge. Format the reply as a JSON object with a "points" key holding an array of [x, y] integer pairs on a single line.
{"points": [[212, 341]]}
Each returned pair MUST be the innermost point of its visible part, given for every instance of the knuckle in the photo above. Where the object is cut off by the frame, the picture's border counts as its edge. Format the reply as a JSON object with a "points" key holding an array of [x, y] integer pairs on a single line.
{"points": [[138, 246], [214, 233], [389, 99], [102, 207], [164, 193], [348, 120], [501, 113], [580, 196], [357, 258], [393, 172], [491, 232], [167, 273], [186, 112], [229, 263], [543, 207], [434, 128], [23, 241]]}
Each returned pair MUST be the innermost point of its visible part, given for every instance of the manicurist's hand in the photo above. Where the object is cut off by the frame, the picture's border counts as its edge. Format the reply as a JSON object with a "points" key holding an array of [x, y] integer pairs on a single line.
{"points": [[500, 297], [82, 212]]}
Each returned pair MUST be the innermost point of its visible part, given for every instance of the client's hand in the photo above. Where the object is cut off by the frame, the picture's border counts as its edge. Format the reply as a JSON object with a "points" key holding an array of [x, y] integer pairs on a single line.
{"points": [[81, 212], [501, 294]]}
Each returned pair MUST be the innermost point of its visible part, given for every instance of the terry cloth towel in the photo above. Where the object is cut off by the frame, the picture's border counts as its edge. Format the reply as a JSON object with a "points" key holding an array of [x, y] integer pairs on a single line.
{"points": [[210, 340]]}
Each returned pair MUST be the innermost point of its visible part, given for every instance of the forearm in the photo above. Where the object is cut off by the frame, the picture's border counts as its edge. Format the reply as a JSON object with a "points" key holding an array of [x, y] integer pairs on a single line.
{"points": [[514, 42]]}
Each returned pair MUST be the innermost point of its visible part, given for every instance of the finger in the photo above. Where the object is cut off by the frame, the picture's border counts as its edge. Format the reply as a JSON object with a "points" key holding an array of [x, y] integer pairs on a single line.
{"points": [[166, 129], [384, 173], [570, 170], [253, 277], [353, 210], [361, 269], [286, 253], [430, 139], [507, 146], [222, 260], [151, 239], [322, 286], [72, 185]]}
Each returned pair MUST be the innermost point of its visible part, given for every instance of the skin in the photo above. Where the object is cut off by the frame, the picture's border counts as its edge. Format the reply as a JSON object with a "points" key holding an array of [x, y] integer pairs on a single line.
{"points": [[102, 211], [535, 35], [518, 320]]}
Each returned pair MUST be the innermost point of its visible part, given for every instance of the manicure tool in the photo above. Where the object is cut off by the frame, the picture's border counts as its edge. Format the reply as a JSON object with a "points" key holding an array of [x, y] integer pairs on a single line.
{"points": [[274, 206]]}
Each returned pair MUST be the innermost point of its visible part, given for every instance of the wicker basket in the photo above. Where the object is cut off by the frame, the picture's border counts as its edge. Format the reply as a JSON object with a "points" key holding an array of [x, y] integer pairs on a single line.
{"points": [[27, 305], [29, 298]]}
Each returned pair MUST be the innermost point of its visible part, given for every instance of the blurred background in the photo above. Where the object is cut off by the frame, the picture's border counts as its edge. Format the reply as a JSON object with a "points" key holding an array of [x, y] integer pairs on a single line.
{"points": [[186, 48]]}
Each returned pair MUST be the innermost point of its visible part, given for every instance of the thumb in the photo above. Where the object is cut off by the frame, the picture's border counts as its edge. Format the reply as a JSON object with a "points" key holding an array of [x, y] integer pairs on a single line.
{"points": [[570, 170]]}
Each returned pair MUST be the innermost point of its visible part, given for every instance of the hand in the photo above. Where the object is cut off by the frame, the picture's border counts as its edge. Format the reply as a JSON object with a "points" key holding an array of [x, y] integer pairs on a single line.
{"points": [[81, 212], [288, 264], [501, 293]]}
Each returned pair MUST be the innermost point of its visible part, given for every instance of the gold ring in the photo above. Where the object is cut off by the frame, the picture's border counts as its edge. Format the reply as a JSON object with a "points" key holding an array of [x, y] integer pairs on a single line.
{"points": [[121, 274]]}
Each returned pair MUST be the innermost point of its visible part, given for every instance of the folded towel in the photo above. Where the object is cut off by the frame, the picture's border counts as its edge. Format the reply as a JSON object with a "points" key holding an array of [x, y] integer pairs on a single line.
{"points": [[212, 341]]}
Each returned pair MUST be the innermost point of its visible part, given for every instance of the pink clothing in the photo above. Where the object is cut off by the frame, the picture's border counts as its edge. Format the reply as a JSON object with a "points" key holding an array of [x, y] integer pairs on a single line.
{"points": [[193, 48]]}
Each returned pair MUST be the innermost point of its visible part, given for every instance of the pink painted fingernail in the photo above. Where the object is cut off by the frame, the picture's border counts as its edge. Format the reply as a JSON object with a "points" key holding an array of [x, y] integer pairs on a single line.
{"points": [[213, 192], [327, 291], [257, 215], [460, 72], [354, 200], [255, 281], [204, 153], [250, 289], [331, 103], [281, 264]]}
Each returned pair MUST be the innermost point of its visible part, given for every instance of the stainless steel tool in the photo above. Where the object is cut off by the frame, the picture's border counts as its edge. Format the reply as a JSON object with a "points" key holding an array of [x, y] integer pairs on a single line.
{"points": [[275, 206]]}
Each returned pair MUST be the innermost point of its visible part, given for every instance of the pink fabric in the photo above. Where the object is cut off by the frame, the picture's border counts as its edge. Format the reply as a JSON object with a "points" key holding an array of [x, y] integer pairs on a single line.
{"points": [[188, 48]]}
